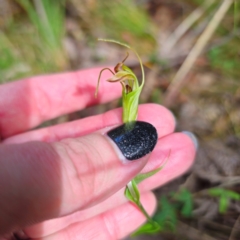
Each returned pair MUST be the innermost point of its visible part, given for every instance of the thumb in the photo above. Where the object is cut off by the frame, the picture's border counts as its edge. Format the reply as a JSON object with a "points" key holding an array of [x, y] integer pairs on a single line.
{"points": [[39, 181]]}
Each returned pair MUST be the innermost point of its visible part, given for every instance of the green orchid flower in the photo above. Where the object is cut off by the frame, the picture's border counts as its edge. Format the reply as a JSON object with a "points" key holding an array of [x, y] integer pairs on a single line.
{"points": [[131, 90], [130, 85]]}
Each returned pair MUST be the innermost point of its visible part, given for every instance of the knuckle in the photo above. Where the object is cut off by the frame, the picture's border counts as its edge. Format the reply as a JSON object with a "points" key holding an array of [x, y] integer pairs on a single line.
{"points": [[82, 165]]}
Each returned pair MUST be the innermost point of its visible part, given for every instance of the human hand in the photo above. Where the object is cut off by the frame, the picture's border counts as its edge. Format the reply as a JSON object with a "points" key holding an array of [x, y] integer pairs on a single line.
{"points": [[67, 181]]}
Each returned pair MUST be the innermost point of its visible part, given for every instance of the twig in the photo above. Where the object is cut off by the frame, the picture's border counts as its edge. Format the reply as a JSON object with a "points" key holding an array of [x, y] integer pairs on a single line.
{"points": [[184, 26], [192, 233], [180, 78], [228, 111], [235, 230]]}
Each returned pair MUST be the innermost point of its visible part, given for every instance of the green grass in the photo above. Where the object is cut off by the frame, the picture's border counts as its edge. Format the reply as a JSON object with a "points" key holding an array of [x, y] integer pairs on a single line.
{"points": [[225, 59], [32, 43], [121, 19]]}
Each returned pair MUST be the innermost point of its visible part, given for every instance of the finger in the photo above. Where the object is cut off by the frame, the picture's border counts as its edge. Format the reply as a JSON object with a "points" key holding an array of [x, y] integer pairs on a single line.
{"points": [[180, 159], [39, 181], [27, 103], [157, 115], [112, 225], [177, 151]]}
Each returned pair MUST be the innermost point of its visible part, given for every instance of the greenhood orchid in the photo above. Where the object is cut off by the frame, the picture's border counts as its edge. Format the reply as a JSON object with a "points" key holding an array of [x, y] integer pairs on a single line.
{"points": [[131, 90], [130, 86]]}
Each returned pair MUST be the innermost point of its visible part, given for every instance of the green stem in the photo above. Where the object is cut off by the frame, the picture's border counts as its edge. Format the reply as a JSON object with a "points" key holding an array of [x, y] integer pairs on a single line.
{"points": [[141, 65], [135, 198], [145, 212]]}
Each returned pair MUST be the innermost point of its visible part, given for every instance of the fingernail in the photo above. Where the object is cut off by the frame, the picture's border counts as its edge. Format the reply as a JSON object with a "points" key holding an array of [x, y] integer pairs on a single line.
{"points": [[193, 138], [135, 139]]}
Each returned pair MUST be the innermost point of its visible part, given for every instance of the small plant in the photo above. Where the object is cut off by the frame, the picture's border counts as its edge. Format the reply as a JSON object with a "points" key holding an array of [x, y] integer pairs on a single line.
{"points": [[224, 196], [131, 90], [171, 206]]}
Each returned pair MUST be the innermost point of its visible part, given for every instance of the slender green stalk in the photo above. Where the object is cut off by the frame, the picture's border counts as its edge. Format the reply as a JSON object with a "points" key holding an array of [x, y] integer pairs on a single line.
{"points": [[145, 213]]}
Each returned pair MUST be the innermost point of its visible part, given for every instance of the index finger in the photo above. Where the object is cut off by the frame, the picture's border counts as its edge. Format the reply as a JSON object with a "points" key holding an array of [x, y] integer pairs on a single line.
{"points": [[26, 103]]}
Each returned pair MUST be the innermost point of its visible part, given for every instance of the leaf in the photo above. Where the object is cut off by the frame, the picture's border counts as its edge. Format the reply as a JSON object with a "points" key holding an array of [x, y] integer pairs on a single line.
{"points": [[217, 192], [130, 105], [148, 228], [142, 176], [224, 197], [223, 204], [233, 195], [167, 216], [185, 197], [132, 192]]}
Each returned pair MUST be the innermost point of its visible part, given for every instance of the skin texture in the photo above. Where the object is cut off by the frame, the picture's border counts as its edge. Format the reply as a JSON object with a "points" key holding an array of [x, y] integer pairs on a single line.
{"points": [[67, 181]]}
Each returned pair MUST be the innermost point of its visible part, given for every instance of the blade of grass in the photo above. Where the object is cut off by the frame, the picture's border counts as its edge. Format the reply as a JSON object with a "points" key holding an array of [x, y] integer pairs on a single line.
{"points": [[11, 61], [48, 17], [236, 6], [41, 12]]}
